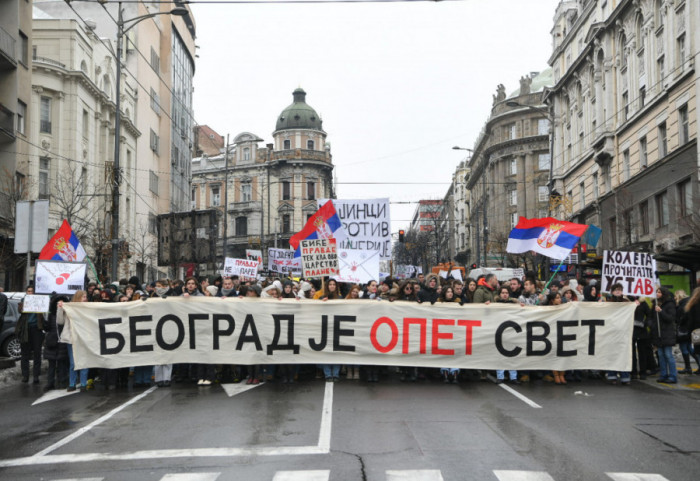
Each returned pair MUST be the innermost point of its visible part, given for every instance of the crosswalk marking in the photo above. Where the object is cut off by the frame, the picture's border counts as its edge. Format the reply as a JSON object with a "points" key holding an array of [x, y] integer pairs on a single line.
{"points": [[190, 477], [320, 475], [523, 476], [636, 477], [414, 475]]}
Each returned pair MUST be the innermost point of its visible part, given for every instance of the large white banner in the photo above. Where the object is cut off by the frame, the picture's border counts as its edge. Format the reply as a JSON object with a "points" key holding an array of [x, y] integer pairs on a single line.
{"points": [[357, 267], [576, 335], [635, 271], [59, 277], [283, 261], [367, 223]]}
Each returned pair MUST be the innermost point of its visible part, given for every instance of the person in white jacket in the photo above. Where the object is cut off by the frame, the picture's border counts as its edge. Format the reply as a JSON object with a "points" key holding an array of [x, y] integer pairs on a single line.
{"points": [[63, 320]]}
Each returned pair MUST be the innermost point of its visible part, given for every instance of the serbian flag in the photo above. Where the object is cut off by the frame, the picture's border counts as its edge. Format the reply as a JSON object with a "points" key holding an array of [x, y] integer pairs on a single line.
{"points": [[324, 224], [548, 236], [63, 246]]}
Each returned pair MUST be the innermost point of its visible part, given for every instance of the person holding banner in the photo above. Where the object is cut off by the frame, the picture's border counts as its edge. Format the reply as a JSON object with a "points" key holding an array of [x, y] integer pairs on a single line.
{"points": [[616, 296], [63, 320], [684, 342], [329, 292], [663, 332], [30, 333], [55, 352]]}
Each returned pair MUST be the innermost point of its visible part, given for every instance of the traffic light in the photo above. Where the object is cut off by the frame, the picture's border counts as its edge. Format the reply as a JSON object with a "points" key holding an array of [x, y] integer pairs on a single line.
{"points": [[474, 266], [401, 233]]}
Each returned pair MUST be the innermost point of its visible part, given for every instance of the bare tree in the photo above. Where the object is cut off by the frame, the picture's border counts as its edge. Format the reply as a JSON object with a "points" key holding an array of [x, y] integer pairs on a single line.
{"points": [[12, 190]]}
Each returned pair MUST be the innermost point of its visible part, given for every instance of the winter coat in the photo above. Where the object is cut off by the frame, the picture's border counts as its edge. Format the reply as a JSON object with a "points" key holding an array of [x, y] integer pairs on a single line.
{"points": [[63, 320], [484, 293], [426, 294], [22, 326], [694, 315], [642, 319], [665, 322], [683, 321], [53, 349]]}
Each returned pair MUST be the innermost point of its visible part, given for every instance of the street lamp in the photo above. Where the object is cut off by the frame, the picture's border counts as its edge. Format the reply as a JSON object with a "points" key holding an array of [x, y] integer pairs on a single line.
{"points": [[124, 26]]}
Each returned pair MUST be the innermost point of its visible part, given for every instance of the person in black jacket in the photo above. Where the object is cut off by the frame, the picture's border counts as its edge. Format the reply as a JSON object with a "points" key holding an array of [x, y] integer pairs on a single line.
{"points": [[642, 353], [663, 332], [55, 352], [683, 323], [692, 309], [3, 308], [431, 290]]}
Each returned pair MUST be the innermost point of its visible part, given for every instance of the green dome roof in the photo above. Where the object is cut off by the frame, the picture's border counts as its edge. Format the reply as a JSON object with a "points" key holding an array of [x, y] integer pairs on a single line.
{"points": [[299, 115]]}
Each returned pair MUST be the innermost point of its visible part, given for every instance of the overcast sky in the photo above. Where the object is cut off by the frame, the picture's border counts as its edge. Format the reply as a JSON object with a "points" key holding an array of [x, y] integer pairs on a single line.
{"points": [[397, 84]]}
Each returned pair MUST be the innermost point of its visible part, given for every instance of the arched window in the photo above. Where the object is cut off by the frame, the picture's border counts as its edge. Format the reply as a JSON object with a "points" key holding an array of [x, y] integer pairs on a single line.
{"points": [[622, 48], [310, 144], [658, 13], [246, 153], [83, 67]]}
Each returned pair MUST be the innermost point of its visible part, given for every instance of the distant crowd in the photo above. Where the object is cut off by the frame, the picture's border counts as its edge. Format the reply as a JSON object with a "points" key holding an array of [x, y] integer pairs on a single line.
{"points": [[659, 324]]}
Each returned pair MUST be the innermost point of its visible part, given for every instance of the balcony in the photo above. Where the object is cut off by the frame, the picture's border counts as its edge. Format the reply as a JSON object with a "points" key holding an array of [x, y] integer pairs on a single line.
{"points": [[8, 57], [301, 154], [47, 61], [240, 207], [7, 125]]}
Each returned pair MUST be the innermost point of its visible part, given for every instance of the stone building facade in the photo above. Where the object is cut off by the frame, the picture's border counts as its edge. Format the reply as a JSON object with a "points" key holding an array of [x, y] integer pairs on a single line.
{"points": [[269, 191], [625, 131]]}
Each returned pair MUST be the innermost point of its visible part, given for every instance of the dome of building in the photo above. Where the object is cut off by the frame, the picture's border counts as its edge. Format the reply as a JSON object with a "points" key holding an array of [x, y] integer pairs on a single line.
{"points": [[299, 115]]}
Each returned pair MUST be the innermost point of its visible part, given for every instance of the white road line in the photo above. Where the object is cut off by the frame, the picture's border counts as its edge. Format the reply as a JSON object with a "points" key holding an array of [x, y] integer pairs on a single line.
{"points": [[87, 428], [523, 398], [324, 434], [523, 476], [636, 477], [414, 475], [190, 477], [54, 394], [79, 479], [233, 389], [321, 475]]}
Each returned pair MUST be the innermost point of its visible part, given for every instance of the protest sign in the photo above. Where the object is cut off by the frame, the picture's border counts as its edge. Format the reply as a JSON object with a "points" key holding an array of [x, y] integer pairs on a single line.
{"points": [[367, 223], [33, 303], [246, 269], [575, 335], [636, 271], [456, 274], [319, 258], [283, 261], [255, 255], [357, 267], [59, 277]]}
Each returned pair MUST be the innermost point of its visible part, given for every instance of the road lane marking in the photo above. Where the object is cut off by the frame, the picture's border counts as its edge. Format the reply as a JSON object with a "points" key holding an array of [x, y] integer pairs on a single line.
{"points": [[523, 398], [54, 394], [190, 477], [414, 475], [636, 477], [324, 434], [98, 421], [320, 475], [523, 476], [233, 389], [79, 479]]}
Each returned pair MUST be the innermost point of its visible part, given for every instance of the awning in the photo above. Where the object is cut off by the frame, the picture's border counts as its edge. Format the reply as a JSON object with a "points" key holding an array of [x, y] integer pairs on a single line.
{"points": [[687, 256]]}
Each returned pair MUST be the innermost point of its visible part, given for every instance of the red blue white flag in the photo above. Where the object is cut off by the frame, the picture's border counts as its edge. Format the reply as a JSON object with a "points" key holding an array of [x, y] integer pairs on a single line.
{"points": [[324, 224], [547, 236], [63, 246]]}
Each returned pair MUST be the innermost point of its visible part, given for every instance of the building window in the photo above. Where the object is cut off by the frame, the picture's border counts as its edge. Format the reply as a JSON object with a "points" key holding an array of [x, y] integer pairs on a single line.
{"points": [[44, 177], [154, 143], [544, 161], [683, 124], [287, 144], [613, 232], [643, 152], [510, 131], [286, 224], [582, 192], [246, 192], [152, 224], [513, 166], [286, 190], [45, 115], [626, 165], [311, 190], [155, 60], [595, 186], [680, 52], [625, 106], [542, 126], [642, 97], [685, 199], [662, 209], [663, 146], [644, 217], [24, 49], [310, 144], [215, 195], [153, 182], [542, 193], [513, 220], [246, 153], [155, 102], [513, 197], [241, 226], [86, 123], [660, 71], [21, 117]]}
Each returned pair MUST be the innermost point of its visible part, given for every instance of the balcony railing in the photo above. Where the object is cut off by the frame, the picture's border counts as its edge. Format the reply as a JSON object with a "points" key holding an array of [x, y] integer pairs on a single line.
{"points": [[302, 154], [48, 61], [7, 45]]}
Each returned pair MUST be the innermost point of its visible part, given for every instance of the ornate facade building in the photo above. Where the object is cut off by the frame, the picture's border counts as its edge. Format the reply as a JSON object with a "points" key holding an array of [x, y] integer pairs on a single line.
{"points": [[625, 131], [267, 192], [508, 171]]}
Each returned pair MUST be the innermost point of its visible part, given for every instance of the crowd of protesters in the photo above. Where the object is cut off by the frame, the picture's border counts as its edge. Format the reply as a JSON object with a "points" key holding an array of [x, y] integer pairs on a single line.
{"points": [[659, 325]]}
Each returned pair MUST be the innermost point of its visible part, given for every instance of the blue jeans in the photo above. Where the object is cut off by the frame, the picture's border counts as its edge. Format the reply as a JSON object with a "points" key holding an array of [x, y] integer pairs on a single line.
{"points": [[331, 370], [624, 376], [686, 347], [501, 374], [667, 363], [72, 373]]}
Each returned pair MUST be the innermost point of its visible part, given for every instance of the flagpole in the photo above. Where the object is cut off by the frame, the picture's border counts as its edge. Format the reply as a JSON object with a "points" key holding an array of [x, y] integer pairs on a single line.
{"points": [[94, 271]]}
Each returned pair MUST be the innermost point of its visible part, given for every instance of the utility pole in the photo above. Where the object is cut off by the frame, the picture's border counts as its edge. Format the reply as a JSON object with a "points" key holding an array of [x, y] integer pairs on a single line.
{"points": [[225, 201]]}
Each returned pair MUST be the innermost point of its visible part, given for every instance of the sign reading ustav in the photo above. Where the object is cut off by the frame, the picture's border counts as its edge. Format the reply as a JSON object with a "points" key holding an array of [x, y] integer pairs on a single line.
{"points": [[636, 271], [283, 261], [246, 269], [319, 258], [575, 335], [59, 277], [367, 223]]}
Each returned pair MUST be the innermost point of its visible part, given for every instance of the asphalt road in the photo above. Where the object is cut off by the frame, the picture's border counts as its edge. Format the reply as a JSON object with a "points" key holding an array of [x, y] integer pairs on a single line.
{"points": [[353, 430]]}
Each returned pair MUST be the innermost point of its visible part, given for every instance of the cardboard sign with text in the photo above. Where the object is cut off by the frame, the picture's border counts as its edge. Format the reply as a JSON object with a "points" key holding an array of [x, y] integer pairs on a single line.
{"points": [[319, 258], [636, 271], [367, 223], [245, 269], [283, 261]]}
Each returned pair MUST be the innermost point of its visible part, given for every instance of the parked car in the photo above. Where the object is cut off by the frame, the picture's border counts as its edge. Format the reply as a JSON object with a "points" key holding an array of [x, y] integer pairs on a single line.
{"points": [[9, 345]]}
